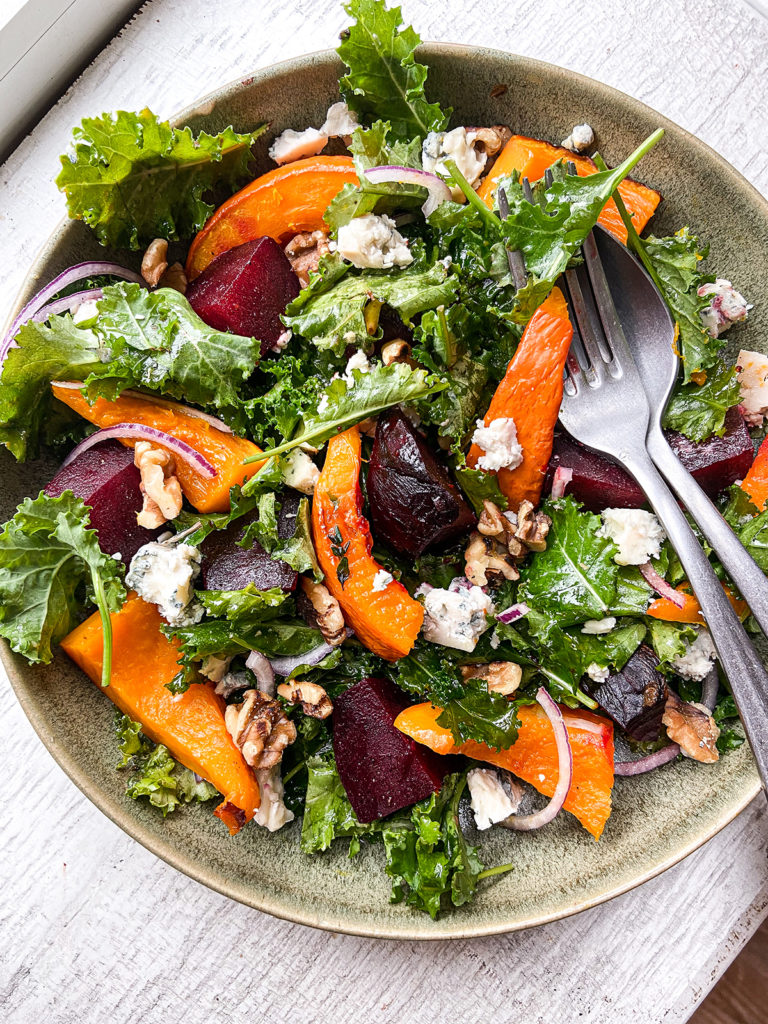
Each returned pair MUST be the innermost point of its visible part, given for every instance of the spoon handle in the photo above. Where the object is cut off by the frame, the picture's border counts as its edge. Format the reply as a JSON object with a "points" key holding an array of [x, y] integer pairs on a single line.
{"points": [[739, 659], [738, 563]]}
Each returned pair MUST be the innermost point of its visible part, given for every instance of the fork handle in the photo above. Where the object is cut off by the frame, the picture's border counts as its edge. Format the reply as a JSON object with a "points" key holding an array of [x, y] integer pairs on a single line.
{"points": [[738, 563], [739, 659]]}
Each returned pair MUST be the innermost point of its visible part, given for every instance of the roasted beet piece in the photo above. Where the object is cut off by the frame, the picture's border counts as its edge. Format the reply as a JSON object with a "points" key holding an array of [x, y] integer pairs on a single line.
{"points": [[381, 769], [599, 483], [245, 289], [414, 503], [106, 479], [634, 697], [227, 566]]}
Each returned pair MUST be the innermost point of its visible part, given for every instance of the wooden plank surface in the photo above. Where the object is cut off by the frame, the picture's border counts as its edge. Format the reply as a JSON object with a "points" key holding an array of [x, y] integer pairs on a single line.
{"points": [[93, 927]]}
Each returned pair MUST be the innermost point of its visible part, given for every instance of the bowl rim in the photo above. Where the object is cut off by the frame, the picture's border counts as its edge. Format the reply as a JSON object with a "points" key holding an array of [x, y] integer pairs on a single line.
{"points": [[118, 811]]}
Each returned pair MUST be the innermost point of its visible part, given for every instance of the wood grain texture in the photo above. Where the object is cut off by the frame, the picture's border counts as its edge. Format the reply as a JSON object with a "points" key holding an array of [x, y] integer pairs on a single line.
{"points": [[739, 996], [96, 929]]}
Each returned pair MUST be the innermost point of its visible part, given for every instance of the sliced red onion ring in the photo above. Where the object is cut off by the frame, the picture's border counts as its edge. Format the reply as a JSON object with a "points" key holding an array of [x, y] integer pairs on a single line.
{"points": [[647, 763], [78, 272], [140, 432], [528, 822], [261, 668], [661, 586], [69, 304], [515, 611], [560, 481], [438, 190]]}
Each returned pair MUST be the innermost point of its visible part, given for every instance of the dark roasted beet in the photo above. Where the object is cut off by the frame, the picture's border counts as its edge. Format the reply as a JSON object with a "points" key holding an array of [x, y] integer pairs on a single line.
{"points": [[106, 479], [634, 697], [227, 566], [245, 289], [599, 483], [413, 501], [381, 769]]}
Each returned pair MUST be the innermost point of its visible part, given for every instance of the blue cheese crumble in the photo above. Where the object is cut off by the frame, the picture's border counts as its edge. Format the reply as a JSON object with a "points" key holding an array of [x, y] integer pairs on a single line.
{"points": [[638, 534], [163, 574], [456, 618]]}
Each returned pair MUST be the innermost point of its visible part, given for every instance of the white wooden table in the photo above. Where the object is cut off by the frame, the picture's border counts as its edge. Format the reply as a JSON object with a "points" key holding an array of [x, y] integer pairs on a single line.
{"points": [[93, 928]]}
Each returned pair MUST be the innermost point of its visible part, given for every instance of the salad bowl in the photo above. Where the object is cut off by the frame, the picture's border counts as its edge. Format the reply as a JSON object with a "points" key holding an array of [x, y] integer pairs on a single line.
{"points": [[658, 818]]}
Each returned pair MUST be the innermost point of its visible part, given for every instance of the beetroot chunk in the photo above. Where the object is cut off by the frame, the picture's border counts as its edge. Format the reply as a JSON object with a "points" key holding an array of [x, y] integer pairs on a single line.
{"points": [[414, 503], [635, 697], [381, 769], [227, 566], [245, 289], [107, 480], [600, 483]]}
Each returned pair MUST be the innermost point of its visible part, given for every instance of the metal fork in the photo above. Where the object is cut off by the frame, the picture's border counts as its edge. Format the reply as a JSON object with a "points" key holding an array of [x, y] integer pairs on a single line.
{"points": [[605, 407]]}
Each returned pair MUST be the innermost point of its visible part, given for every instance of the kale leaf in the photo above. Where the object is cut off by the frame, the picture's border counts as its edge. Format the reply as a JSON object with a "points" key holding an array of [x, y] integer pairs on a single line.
{"points": [[132, 178], [482, 716], [298, 550], [698, 410], [383, 81], [50, 566], [328, 814]]}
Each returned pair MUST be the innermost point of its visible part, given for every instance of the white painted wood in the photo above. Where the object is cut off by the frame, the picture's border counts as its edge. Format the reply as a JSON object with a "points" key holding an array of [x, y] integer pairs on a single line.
{"points": [[92, 927]]}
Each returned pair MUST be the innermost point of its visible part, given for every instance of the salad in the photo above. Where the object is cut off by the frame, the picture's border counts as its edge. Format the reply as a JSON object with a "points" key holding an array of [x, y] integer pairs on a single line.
{"points": [[316, 532]]}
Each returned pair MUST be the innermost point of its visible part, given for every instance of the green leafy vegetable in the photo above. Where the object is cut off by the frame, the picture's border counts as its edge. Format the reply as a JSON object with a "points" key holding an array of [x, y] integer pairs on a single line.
{"points": [[343, 406], [49, 561], [249, 604], [157, 776], [669, 640], [575, 578], [429, 671], [383, 81], [132, 178], [479, 486], [698, 411], [329, 313], [298, 550], [328, 814], [479, 715]]}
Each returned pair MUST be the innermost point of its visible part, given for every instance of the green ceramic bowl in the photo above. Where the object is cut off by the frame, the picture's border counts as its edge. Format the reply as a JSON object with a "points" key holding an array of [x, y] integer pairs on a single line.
{"points": [[658, 818]]}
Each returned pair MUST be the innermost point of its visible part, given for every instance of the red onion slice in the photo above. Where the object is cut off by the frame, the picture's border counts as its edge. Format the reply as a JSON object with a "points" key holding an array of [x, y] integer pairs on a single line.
{"points": [[647, 763], [261, 668], [78, 272], [140, 432], [661, 586], [528, 822], [560, 481], [515, 611], [284, 666], [436, 187]]}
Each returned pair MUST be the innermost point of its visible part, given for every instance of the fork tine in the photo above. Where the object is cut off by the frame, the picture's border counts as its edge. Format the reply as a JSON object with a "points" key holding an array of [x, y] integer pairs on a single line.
{"points": [[614, 334], [590, 328]]}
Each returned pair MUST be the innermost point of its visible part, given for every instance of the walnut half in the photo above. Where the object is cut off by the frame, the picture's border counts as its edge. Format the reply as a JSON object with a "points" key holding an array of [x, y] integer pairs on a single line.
{"points": [[327, 611], [314, 701], [161, 489], [532, 527], [260, 729], [502, 677], [692, 727], [304, 252]]}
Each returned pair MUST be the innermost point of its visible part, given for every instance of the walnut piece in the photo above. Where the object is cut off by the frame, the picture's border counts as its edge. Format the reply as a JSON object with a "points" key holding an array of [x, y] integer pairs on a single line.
{"points": [[503, 677], [314, 701], [692, 727], [485, 558], [161, 489], [304, 251], [532, 527], [327, 611], [174, 277], [260, 729], [493, 523], [155, 262], [491, 140], [395, 351]]}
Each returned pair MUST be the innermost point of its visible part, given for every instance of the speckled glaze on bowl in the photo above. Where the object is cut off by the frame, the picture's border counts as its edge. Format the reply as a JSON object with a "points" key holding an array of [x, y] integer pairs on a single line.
{"points": [[658, 818]]}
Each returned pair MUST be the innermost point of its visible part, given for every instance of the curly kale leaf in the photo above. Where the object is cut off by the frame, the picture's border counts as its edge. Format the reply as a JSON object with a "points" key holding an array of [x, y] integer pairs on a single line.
{"points": [[132, 178], [699, 410]]}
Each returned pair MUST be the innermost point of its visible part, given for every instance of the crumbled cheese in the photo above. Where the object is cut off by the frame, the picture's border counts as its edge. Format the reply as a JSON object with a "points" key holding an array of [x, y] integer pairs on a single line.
{"points": [[596, 673], [323, 404], [215, 668], [752, 372], [373, 241], [272, 813], [357, 361], [381, 580], [638, 534], [456, 618], [163, 574], [490, 801], [423, 589], [300, 472], [86, 313], [593, 627], [726, 307], [697, 660], [455, 145], [581, 138], [494, 640], [499, 442], [339, 121], [292, 145]]}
